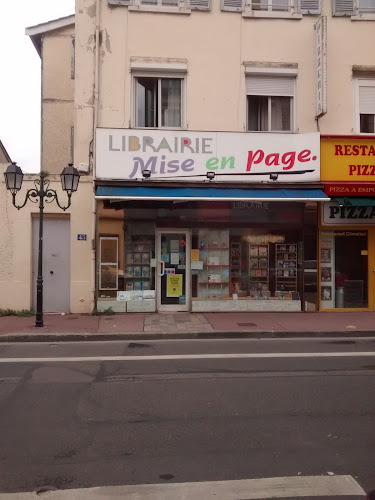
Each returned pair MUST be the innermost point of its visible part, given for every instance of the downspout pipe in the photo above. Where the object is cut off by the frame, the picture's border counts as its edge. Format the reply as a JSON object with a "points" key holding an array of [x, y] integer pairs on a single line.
{"points": [[95, 217]]}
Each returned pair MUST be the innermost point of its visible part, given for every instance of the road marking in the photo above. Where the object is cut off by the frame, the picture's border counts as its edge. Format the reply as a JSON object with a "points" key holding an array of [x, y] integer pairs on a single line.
{"points": [[249, 489], [171, 357]]}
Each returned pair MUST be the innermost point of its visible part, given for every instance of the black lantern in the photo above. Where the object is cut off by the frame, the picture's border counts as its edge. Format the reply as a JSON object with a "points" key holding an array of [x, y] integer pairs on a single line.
{"points": [[44, 194], [69, 179], [13, 178]]}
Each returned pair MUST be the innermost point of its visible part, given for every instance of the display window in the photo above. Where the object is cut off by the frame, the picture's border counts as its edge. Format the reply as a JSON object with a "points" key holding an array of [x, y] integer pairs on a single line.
{"points": [[217, 256], [246, 264], [344, 280]]}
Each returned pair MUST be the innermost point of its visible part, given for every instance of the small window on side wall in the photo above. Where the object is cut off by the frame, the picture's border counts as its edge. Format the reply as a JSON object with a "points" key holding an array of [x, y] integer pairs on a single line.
{"points": [[365, 106], [158, 102], [270, 103]]}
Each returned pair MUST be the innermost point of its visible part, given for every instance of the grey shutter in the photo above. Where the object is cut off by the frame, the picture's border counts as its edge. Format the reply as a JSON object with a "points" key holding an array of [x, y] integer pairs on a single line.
{"points": [[169, 3], [311, 6], [367, 100], [234, 5], [120, 2], [342, 7], [149, 2], [200, 4], [270, 85]]}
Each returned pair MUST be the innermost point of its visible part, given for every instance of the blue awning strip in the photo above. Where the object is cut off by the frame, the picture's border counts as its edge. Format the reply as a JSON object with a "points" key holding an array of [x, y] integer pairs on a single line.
{"points": [[207, 193]]}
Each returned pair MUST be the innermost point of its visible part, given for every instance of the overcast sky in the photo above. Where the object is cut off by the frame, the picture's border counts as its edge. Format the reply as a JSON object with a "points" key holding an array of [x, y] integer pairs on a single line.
{"points": [[20, 77]]}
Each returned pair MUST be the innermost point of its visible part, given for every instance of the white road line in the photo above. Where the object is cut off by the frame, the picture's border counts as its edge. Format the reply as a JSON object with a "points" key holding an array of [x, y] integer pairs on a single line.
{"points": [[277, 487], [171, 357]]}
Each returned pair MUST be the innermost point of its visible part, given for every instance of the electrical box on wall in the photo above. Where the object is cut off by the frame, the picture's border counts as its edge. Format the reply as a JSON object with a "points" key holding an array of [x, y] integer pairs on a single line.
{"points": [[84, 168]]}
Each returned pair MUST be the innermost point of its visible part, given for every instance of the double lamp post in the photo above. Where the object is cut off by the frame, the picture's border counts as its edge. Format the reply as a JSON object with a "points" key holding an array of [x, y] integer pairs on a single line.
{"points": [[42, 193]]}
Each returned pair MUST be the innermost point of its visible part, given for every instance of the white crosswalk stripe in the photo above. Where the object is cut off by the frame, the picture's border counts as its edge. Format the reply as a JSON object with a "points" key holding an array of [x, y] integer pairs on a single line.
{"points": [[249, 489]]}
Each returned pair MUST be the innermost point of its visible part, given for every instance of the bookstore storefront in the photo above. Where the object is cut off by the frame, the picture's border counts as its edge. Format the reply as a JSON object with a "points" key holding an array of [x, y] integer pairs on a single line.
{"points": [[347, 224], [208, 245]]}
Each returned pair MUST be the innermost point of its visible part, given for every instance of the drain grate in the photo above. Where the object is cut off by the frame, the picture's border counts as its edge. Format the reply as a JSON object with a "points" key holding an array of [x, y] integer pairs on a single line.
{"points": [[246, 324]]}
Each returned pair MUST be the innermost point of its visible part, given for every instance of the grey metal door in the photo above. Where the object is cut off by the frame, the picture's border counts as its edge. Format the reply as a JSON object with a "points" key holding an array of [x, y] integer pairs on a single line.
{"points": [[56, 264]]}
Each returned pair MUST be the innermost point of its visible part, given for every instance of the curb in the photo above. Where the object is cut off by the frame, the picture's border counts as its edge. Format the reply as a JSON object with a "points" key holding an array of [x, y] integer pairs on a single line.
{"points": [[97, 337]]}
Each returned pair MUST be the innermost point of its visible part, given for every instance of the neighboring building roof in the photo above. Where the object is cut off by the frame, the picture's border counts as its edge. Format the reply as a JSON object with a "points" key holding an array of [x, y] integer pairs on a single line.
{"points": [[4, 157], [36, 32]]}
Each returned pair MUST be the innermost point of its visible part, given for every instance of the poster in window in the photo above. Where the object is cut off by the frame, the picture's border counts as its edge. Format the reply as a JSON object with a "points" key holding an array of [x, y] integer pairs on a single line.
{"points": [[326, 274], [174, 285], [325, 255], [326, 293]]}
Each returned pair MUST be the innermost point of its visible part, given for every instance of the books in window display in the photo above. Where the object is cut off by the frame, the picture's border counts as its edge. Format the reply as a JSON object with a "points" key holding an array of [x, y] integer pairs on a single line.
{"points": [[254, 251], [254, 263], [263, 263], [263, 251]]}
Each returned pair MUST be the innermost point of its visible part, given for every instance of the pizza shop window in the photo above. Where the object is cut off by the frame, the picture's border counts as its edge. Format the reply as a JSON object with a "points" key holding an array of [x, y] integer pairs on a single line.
{"points": [[159, 102], [270, 103], [365, 97]]}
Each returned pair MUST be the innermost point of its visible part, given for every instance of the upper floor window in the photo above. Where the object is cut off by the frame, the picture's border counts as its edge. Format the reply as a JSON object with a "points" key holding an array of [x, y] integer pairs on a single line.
{"points": [[365, 106], [159, 102], [353, 7], [274, 5], [160, 3], [366, 6], [270, 103], [275, 8], [177, 6]]}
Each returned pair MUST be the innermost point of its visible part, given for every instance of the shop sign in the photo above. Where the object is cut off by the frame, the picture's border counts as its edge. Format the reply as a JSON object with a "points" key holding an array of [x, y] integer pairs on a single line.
{"points": [[123, 154], [349, 159], [346, 189], [336, 214], [321, 66]]}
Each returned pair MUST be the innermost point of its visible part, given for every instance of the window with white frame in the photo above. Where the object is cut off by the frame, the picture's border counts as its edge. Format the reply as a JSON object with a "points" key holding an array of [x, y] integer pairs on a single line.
{"points": [[160, 3], [159, 102], [270, 103], [366, 6], [273, 5], [365, 97], [285, 8], [353, 7], [174, 5]]}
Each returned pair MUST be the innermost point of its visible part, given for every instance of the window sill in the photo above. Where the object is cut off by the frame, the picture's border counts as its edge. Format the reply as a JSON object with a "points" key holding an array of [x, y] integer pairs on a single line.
{"points": [[271, 15], [161, 10], [363, 17], [271, 132], [158, 128]]}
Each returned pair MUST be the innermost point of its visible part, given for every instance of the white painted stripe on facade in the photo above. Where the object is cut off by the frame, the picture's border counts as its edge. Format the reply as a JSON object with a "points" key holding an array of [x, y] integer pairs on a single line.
{"points": [[249, 489], [171, 357]]}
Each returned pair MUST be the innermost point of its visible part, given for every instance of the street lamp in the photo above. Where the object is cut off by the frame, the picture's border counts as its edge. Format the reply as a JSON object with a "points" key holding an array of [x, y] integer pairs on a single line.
{"points": [[69, 182]]}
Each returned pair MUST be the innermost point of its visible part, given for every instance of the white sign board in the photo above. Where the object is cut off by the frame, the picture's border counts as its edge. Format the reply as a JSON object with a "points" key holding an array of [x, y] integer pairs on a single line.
{"points": [[321, 66], [122, 154], [336, 214]]}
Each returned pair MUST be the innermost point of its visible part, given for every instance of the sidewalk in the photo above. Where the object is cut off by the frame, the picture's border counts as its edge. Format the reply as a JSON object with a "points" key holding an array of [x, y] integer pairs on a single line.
{"points": [[186, 325]]}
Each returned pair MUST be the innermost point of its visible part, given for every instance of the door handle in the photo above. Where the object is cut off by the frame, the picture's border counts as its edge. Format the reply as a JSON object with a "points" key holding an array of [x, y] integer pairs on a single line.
{"points": [[162, 267]]}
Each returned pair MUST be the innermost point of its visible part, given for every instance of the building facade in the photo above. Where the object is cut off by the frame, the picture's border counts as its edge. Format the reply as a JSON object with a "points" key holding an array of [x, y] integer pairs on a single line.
{"points": [[205, 130]]}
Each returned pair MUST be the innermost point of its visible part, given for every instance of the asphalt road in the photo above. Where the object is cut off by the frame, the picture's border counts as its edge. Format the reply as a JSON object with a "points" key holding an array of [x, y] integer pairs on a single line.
{"points": [[78, 415]]}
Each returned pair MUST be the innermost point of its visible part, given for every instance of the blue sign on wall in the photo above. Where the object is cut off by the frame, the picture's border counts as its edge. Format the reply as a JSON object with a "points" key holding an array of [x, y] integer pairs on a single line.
{"points": [[82, 237]]}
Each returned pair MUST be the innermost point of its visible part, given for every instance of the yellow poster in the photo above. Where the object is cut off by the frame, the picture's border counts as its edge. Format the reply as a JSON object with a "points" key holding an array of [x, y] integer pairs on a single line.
{"points": [[194, 255], [174, 285]]}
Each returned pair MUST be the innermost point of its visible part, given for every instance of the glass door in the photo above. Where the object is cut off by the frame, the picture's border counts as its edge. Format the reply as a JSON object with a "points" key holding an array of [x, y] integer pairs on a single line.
{"points": [[173, 269]]}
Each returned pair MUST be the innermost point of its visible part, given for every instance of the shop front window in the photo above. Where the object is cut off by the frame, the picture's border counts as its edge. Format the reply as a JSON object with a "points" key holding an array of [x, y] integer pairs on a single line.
{"points": [[343, 269], [238, 264]]}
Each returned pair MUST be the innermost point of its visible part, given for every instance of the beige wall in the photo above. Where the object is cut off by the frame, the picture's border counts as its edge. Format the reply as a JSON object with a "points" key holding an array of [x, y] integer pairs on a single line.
{"points": [[16, 245], [215, 45], [57, 100]]}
